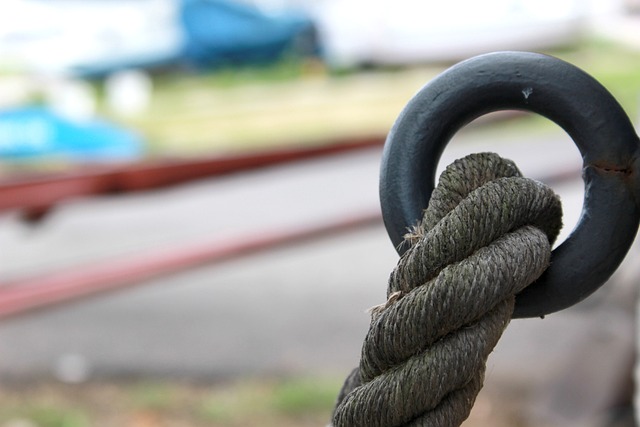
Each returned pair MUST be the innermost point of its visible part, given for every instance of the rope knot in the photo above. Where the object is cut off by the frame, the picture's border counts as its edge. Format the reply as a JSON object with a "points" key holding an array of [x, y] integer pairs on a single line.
{"points": [[485, 236]]}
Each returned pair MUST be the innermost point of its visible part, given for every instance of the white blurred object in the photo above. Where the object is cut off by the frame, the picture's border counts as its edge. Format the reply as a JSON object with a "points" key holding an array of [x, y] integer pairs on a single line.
{"points": [[87, 36], [405, 31], [72, 99], [128, 93], [357, 32], [72, 368], [622, 28], [15, 90]]}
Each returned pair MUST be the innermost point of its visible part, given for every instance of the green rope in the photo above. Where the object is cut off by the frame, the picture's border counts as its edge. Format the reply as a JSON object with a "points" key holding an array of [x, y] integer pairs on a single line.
{"points": [[486, 235]]}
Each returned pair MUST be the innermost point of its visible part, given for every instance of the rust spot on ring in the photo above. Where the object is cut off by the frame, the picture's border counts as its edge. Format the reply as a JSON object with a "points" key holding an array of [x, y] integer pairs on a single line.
{"points": [[626, 170]]}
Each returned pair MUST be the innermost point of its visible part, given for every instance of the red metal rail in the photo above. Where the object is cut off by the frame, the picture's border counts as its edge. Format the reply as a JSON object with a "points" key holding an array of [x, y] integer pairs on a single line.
{"points": [[36, 195], [80, 282]]}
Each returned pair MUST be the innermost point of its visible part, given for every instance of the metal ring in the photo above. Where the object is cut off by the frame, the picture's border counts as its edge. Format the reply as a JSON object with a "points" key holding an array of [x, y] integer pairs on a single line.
{"points": [[564, 94]]}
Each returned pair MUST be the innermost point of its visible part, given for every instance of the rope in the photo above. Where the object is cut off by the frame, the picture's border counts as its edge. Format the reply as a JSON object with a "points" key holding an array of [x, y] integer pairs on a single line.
{"points": [[485, 236]]}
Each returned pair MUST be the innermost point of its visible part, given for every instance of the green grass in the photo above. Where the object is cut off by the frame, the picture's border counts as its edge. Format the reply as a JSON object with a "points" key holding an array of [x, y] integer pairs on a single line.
{"points": [[293, 102], [284, 402], [42, 415], [287, 69], [291, 399], [288, 103], [245, 402], [152, 396], [303, 396]]}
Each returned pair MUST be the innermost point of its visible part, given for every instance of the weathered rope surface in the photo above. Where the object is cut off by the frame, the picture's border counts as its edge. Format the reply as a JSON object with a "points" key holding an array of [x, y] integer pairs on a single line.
{"points": [[485, 236]]}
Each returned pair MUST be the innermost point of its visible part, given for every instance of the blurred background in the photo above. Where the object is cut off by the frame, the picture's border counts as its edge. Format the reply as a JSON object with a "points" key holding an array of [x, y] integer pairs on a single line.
{"points": [[190, 231]]}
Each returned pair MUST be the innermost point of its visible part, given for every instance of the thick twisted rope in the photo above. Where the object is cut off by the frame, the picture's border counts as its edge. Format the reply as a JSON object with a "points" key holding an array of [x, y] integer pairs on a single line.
{"points": [[485, 236]]}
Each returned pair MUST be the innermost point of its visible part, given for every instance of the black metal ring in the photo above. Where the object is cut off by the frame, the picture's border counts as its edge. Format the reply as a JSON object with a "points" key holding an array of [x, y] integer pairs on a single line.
{"points": [[564, 94]]}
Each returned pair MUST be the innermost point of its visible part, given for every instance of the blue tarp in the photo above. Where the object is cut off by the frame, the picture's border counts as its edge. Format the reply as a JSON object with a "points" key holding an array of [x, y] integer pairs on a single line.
{"points": [[200, 33], [36, 132], [221, 32]]}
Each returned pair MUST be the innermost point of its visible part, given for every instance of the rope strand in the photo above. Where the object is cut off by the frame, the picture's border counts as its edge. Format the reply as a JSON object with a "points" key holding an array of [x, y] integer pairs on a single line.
{"points": [[486, 235]]}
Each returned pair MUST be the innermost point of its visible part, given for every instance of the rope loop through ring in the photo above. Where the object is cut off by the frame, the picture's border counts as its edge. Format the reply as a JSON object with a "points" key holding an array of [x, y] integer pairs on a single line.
{"points": [[564, 94]]}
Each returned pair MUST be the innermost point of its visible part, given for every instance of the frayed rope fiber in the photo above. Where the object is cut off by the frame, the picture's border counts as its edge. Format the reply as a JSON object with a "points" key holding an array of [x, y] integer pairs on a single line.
{"points": [[486, 235]]}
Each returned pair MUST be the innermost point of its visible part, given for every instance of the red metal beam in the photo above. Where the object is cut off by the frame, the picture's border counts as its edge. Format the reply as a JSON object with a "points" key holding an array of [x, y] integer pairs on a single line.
{"points": [[29, 294], [36, 195]]}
